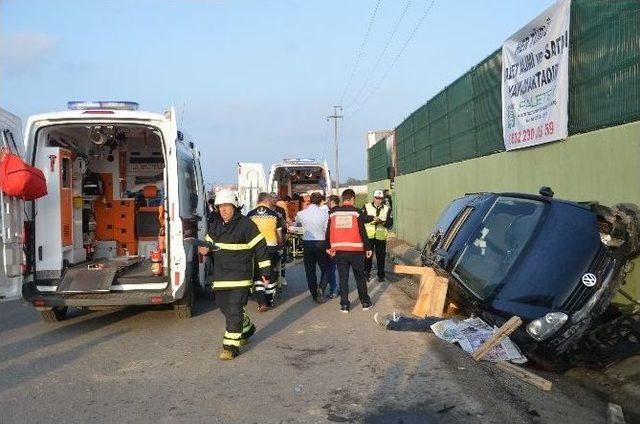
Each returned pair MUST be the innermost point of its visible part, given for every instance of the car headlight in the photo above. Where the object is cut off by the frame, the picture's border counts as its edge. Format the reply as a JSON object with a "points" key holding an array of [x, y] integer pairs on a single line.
{"points": [[543, 328]]}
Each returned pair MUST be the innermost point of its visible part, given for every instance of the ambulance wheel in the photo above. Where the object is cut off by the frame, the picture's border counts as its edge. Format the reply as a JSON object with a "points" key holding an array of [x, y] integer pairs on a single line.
{"points": [[54, 315], [183, 307]]}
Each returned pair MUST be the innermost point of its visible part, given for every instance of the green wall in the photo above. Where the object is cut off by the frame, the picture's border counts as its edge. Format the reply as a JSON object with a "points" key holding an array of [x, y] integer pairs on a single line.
{"points": [[378, 185], [600, 165]]}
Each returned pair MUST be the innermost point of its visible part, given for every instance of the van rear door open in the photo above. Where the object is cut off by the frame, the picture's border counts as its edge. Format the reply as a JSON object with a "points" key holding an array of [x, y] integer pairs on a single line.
{"points": [[11, 216]]}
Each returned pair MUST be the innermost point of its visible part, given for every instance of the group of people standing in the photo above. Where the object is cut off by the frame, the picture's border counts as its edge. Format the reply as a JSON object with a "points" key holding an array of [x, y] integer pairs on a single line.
{"points": [[249, 252]]}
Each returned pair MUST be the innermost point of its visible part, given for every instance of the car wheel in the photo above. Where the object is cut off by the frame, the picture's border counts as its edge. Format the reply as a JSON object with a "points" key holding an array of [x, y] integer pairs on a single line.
{"points": [[55, 314], [631, 217]]}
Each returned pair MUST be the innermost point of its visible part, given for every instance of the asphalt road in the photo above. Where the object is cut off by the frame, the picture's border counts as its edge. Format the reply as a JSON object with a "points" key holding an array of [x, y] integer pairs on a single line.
{"points": [[306, 363]]}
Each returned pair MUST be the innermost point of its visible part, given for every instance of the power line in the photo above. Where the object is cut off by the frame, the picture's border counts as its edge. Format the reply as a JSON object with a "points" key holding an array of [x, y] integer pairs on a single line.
{"points": [[359, 55], [384, 50], [395, 60]]}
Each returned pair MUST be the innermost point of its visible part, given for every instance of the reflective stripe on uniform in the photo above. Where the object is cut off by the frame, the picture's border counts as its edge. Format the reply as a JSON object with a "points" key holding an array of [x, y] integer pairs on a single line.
{"points": [[255, 241], [232, 336], [246, 323], [344, 213], [207, 238], [264, 264], [346, 244], [240, 246], [231, 284], [232, 339]]}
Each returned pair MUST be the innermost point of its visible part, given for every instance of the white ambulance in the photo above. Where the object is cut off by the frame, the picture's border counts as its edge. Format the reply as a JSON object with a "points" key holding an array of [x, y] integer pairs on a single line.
{"points": [[298, 176], [120, 223]]}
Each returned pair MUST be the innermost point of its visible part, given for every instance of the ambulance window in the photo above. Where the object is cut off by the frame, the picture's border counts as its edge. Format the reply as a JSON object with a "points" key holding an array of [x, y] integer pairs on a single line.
{"points": [[187, 186], [66, 172]]}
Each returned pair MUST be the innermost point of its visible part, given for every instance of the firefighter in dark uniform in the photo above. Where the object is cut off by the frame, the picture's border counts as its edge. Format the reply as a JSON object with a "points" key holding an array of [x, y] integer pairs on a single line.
{"points": [[235, 243]]}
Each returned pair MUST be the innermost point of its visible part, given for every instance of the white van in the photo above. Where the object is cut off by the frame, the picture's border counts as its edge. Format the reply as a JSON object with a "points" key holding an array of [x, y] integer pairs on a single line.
{"points": [[125, 194], [298, 176], [251, 182]]}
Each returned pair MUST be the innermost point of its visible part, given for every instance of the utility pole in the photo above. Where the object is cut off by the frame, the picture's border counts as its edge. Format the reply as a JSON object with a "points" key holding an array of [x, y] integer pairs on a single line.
{"points": [[335, 118]]}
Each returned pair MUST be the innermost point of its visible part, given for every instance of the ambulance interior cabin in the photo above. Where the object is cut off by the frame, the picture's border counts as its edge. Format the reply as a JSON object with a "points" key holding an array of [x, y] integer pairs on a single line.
{"points": [[106, 187], [298, 182]]}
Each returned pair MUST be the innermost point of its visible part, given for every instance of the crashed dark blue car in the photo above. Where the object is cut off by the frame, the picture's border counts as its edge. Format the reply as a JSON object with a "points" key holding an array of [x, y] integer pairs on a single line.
{"points": [[556, 264]]}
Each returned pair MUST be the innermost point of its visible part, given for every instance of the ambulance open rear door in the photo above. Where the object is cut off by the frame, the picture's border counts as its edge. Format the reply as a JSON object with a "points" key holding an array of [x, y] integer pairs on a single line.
{"points": [[11, 216]]}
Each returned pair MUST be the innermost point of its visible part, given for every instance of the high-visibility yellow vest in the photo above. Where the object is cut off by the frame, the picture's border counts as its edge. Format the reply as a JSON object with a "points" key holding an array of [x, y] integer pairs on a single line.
{"points": [[377, 231]]}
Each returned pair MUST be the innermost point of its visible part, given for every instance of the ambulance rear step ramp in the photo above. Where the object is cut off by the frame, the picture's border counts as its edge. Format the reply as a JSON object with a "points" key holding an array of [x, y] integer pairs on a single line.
{"points": [[95, 277]]}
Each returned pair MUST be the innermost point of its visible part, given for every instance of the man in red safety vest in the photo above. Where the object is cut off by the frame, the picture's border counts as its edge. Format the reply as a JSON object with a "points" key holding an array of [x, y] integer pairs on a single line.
{"points": [[348, 245]]}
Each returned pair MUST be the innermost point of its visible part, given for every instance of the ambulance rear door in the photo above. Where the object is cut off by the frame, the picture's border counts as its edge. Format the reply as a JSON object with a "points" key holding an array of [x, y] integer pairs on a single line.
{"points": [[11, 215]]}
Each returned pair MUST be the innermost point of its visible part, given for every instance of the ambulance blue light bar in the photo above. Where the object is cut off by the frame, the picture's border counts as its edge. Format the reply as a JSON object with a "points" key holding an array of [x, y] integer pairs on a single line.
{"points": [[110, 105]]}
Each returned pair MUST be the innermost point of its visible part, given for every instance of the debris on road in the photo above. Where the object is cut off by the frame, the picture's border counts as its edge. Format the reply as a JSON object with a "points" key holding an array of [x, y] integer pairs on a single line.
{"points": [[497, 337], [472, 333], [526, 376]]}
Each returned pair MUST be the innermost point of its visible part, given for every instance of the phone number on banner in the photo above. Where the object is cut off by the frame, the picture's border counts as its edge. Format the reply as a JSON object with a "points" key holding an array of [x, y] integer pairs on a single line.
{"points": [[530, 134]]}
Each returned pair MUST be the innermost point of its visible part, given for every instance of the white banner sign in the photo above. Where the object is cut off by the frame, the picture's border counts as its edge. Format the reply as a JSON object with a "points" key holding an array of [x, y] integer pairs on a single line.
{"points": [[535, 80]]}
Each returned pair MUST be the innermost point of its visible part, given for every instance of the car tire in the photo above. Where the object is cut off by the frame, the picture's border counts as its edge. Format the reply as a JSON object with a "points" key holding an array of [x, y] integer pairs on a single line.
{"points": [[631, 216], [55, 314]]}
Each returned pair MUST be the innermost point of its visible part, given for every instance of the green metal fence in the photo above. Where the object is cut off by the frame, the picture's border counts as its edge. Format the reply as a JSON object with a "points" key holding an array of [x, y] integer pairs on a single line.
{"points": [[379, 161], [604, 72], [464, 120]]}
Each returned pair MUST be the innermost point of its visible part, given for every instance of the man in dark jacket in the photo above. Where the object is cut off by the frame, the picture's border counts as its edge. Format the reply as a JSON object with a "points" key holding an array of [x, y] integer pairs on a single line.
{"points": [[235, 242], [349, 245]]}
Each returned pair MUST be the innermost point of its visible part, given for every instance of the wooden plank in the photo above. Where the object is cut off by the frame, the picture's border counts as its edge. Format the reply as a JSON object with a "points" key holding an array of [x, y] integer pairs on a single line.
{"points": [[526, 376], [432, 297], [495, 339], [415, 270]]}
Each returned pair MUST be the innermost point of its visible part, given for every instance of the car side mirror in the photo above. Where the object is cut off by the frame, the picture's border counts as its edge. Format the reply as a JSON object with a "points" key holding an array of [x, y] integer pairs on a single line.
{"points": [[546, 191]]}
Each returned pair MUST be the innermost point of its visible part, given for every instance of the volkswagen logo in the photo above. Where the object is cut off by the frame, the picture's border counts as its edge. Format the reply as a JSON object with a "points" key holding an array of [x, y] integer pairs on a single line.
{"points": [[589, 279]]}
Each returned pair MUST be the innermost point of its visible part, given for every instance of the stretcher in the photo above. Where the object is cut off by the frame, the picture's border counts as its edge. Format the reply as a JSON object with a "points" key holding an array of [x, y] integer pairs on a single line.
{"points": [[294, 241]]}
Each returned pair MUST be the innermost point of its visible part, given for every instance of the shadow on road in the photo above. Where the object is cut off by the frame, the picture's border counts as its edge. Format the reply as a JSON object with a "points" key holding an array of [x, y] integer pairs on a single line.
{"points": [[32, 369], [63, 332], [289, 314]]}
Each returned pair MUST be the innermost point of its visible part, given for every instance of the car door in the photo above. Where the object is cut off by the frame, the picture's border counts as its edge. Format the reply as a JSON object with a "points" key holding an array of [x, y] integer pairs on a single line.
{"points": [[11, 216]]}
